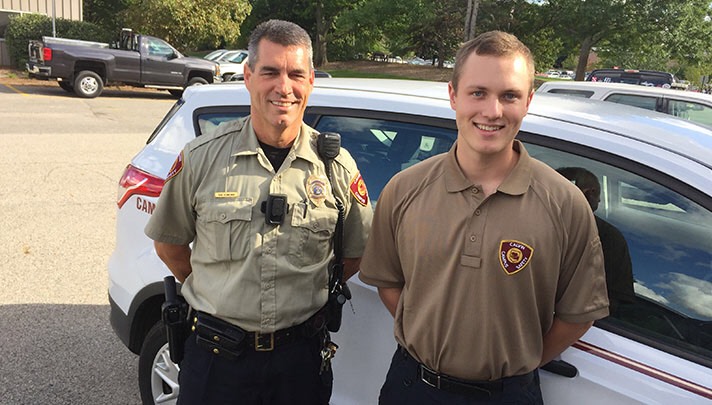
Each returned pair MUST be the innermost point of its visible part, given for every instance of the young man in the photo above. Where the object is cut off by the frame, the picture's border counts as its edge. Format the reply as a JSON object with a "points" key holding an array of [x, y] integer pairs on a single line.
{"points": [[505, 270], [256, 202]]}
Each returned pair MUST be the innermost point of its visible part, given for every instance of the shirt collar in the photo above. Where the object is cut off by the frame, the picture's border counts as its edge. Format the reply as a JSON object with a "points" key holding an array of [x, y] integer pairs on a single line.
{"points": [[516, 183], [247, 143]]}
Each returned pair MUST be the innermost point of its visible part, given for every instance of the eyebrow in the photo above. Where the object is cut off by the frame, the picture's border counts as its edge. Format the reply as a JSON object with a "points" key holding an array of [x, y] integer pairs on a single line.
{"points": [[271, 69]]}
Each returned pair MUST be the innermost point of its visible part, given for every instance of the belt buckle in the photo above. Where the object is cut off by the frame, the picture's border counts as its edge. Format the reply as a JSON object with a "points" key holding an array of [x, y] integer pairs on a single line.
{"points": [[423, 369], [260, 344]]}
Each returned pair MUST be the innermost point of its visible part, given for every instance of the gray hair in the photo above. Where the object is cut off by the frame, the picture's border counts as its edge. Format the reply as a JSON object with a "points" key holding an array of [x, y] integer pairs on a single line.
{"points": [[280, 32]]}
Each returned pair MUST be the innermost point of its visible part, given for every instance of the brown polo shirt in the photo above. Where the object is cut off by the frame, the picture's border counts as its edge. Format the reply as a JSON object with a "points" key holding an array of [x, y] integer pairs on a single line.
{"points": [[483, 278]]}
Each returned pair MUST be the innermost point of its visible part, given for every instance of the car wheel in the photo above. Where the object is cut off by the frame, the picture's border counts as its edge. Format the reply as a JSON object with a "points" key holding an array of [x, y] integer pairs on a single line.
{"points": [[176, 93], [88, 84], [226, 77], [66, 86], [157, 374]]}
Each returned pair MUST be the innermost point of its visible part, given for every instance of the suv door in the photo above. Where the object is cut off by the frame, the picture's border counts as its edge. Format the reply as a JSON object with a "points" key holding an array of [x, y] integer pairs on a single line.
{"points": [[656, 346]]}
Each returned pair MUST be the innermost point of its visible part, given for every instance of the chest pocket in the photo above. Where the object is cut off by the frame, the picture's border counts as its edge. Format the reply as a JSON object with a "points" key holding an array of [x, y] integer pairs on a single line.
{"points": [[228, 229], [310, 239]]}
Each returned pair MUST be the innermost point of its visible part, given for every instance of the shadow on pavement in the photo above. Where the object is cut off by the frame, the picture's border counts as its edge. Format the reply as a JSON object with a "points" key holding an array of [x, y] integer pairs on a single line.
{"points": [[64, 354], [52, 89]]}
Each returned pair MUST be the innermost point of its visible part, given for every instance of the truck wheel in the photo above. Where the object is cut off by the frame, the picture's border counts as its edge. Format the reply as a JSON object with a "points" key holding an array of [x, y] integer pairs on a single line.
{"points": [[197, 81], [66, 86], [226, 77], [88, 84], [176, 93], [157, 374]]}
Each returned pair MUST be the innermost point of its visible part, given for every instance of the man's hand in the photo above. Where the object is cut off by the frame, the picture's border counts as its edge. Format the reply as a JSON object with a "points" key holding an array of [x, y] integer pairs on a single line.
{"points": [[560, 337], [176, 257]]}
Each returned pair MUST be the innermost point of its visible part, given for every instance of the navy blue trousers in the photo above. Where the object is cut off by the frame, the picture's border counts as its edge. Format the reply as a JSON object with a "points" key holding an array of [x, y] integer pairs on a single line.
{"points": [[404, 386], [287, 375]]}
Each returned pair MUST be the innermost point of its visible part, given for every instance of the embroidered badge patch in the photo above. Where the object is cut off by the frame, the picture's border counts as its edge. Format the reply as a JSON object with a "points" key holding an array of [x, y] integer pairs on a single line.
{"points": [[316, 189], [358, 189], [514, 256], [176, 168]]}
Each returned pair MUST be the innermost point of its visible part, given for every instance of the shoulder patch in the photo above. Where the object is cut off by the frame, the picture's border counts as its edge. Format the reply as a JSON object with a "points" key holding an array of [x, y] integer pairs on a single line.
{"points": [[176, 168], [358, 189]]}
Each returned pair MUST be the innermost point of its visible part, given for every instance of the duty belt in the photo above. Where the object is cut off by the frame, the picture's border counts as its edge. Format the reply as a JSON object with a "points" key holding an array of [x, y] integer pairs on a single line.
{"points": [[228, 340], [478, 389]]}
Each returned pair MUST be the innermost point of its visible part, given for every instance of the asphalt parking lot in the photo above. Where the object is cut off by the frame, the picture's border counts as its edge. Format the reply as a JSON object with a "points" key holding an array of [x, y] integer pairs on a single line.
{"points": [[60, 160]]}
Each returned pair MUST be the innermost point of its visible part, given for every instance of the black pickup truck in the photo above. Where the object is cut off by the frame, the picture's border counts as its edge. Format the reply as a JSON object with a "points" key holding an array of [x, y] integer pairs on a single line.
{"points": [[85, 67]]}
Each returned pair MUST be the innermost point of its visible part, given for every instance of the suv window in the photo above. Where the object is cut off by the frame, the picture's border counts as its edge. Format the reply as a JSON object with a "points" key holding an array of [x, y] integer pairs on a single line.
{"points": [[691, 111], [647, 102], [643, 77], [383, 147], [667, 236], [573, 92]]}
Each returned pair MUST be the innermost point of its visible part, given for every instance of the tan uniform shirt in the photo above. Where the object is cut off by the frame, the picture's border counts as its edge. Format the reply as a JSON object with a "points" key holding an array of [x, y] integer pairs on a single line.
{"points": [[258, 276], [483, 278]]}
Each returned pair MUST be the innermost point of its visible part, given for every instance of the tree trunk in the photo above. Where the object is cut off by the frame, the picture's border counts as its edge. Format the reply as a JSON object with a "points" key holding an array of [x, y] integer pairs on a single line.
{"points": [[322, 29], [473, 7], [586, 46]]}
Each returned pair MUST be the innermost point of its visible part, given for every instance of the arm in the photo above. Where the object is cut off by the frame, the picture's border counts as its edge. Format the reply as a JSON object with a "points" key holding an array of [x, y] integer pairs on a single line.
{"points": [[176, 257], [390, 298], [560, 337], [350, 267]]}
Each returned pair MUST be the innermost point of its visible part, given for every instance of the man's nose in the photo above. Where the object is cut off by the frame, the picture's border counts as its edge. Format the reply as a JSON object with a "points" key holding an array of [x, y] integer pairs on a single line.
{"points": [[284, 85], [492, 108]]}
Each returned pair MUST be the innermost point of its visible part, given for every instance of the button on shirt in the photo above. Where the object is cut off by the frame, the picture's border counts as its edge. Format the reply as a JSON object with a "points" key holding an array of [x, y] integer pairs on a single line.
{"points": [[259, 276]]}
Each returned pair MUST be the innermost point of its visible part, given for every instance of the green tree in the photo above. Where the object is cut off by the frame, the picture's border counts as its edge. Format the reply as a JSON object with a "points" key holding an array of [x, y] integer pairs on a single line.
{"points": [[105, 13], [617, 25], [188, 24]]}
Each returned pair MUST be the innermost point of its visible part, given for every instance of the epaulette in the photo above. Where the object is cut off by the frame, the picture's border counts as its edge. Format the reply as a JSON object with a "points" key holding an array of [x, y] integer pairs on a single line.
{"points": [[221, 130]]}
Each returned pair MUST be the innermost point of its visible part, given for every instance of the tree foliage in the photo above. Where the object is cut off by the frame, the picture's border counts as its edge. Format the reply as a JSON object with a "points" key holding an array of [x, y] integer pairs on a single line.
{"points": [[188, 24]]}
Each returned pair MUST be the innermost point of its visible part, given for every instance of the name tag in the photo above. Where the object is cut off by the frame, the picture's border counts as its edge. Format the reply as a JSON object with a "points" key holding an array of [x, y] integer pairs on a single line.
{"points": [[225, 194]]}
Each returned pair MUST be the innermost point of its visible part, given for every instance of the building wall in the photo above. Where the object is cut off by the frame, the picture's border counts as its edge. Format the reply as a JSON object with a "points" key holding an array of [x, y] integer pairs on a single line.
{"points": [[67, 9]]}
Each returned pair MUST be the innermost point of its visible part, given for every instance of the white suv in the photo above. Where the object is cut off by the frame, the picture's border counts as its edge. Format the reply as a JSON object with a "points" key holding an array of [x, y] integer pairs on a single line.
{"points": [[688, 105], [655, 172]]}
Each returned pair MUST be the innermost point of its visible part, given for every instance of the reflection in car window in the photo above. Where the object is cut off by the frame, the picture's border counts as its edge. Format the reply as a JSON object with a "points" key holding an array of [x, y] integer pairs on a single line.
{"points": [[668, 236], [572, 92], [382, 148], [646, 102], [156, 47], [694, 112]]}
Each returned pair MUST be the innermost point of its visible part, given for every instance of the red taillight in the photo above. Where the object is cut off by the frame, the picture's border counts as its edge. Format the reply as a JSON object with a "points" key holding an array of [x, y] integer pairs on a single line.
{"points": [[135, 181], [46, 54]]}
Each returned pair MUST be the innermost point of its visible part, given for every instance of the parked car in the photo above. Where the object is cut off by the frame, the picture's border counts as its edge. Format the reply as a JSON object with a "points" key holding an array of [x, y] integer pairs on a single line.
{"points": [[650, 78], [85, 67], [232, 63], [688, 105], [215, 54], [656, 177]]}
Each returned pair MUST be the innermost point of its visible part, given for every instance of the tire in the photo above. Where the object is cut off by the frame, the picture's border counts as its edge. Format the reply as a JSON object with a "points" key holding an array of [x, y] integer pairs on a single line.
{"points": [[88, 84], [66, 86], [226, 77], [197, 81], [176, 93], [157, 374]]}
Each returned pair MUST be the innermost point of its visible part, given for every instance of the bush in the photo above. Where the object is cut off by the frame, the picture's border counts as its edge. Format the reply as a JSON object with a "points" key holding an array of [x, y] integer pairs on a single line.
{"points": [[26, 27]]}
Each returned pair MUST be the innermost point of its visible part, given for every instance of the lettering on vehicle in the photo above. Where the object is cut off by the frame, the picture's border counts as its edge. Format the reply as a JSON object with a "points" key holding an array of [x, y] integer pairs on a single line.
{"points": [[514, 256], [145, 205]]}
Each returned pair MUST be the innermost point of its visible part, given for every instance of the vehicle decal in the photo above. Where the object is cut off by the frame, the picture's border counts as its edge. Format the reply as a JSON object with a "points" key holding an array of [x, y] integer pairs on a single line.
{"points": [[634, 365]]}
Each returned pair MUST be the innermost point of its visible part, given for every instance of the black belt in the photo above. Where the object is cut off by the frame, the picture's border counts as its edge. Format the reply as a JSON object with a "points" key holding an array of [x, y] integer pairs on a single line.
{"points": [[479, 389], [224, 338]]}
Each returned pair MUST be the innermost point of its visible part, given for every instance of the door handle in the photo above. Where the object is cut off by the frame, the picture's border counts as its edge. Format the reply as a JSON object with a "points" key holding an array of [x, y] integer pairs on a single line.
{"points": [[561, 368]]}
